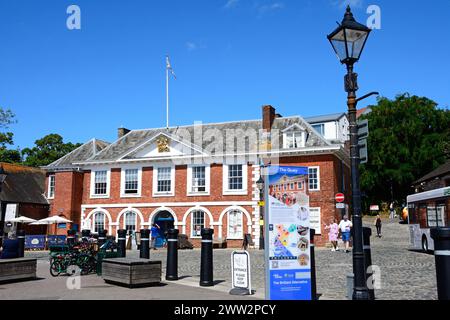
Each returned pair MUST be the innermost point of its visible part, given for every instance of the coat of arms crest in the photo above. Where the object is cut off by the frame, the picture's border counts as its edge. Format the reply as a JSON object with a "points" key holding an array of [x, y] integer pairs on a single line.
{"points": [[163, 144]]}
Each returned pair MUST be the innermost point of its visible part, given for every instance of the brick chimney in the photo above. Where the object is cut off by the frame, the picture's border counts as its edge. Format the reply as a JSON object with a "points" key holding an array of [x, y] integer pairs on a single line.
{"points": [[268, 117], [121, 132]]}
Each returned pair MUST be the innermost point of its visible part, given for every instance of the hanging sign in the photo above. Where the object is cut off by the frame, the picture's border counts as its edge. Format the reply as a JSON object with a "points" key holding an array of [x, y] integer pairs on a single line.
{"points": [[288, 267]]}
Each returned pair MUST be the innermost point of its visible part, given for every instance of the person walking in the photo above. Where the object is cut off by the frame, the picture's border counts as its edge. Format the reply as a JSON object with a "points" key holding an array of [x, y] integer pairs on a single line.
{"points": [[154, 234], [377, 224], [345, 227], [333, 234], [392, 211]]}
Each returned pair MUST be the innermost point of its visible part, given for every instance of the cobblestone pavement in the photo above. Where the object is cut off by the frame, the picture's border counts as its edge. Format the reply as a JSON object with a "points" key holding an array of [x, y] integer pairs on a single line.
{"points": [[405, 274]]}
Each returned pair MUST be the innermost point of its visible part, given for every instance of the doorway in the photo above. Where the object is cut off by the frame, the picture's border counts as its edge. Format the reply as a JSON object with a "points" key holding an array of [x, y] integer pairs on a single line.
{"points": [[165, 221]]}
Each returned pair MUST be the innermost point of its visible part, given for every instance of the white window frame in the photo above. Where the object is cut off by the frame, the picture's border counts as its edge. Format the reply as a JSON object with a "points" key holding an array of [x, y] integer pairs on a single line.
{"points": [[192, 223], [108, 184], [291, 133], [125, 220], [318, 179], [226, 190], [170, 193], [94, 217], [49, 195], [319, 210], [241, 236], [189, 180], [122, 182], [322, 127]]}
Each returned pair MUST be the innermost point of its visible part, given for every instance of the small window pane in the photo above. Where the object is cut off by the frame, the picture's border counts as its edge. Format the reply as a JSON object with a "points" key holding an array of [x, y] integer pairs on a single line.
{"points": [[131, 181], [235, 177], [198, 223], [198, 179], [100, 184], [164, 179], [313, 178], [235, 224], [99, 222], [51, 188], [130, 222]]}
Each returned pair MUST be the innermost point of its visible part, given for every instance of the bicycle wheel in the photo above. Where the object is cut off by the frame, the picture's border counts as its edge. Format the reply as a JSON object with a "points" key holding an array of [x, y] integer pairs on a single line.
{"points": [[55, 268]]}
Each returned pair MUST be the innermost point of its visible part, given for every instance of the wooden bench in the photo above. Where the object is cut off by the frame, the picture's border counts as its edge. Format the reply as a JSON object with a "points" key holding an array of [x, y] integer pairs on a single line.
{"points": [[17, 269], [131, 272]]}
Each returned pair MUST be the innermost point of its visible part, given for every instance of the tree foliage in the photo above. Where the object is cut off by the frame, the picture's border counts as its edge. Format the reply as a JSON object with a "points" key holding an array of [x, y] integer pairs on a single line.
{"points": [[409, 137], [47, 150], [7, 118]]}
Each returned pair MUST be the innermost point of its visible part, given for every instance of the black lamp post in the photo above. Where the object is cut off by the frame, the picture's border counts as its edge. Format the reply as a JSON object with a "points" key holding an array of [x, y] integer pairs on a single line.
{"points": [[3, 176], [260, 185], [348, 41]]}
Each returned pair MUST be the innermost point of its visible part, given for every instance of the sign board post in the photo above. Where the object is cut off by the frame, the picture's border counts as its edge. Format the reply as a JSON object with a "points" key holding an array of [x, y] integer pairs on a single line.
{"points": [[363, 134], [287, 234], [240, 272]]}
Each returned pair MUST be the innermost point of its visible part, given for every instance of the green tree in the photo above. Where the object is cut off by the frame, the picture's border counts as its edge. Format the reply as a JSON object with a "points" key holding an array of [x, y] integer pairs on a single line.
{"points": [[6, 138], [409, 137], [47, 150]]}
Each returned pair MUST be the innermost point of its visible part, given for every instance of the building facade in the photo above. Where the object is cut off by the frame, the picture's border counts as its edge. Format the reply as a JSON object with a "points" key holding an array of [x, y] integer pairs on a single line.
{"points": [[193, 177]]}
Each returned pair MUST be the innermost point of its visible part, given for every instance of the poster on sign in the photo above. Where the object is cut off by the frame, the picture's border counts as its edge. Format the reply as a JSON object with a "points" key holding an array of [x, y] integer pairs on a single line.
{"points": [[288, 234]]}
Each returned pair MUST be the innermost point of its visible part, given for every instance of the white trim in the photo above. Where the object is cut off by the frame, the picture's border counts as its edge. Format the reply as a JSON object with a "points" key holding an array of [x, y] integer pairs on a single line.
{"points": [[158, 210], [138, 213], [318, 178], [437, 193], [172, 167], [171, 204], [302, 138], [226, 191], [54, 186], [294, 126], [107, 214], [189, 191], [244, 211], [92, 195], [188, 212], [122, 182]]}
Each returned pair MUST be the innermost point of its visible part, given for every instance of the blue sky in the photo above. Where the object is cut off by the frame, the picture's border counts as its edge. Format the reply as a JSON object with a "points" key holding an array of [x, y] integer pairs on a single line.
{"points": [[230, 56]]}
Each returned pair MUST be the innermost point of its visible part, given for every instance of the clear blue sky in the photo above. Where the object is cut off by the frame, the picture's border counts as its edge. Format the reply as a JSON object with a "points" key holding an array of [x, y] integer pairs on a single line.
{"points": [[230, 57]]}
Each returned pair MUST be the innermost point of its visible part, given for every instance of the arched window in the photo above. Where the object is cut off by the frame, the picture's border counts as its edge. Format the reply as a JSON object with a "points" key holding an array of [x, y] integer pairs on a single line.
{"points": [[235, 225], [99, 221], [197, 223], [130, 222]]}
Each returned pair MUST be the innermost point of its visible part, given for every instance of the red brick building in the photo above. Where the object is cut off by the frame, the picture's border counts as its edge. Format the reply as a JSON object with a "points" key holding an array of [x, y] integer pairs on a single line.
{"points": [[192, 177]]}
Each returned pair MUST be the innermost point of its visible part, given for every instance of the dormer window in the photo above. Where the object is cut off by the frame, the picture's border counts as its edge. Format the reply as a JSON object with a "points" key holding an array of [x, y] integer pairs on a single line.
{"points": [[294, 139]]}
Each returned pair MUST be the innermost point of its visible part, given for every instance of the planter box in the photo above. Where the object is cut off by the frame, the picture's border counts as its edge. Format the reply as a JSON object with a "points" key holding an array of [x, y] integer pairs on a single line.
{"points": [[17, 269], [131, 272]]}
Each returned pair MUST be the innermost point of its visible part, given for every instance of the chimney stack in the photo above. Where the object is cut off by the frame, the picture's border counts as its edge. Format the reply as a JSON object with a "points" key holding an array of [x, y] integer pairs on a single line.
{"points": [[268, 117], [121, 132]]}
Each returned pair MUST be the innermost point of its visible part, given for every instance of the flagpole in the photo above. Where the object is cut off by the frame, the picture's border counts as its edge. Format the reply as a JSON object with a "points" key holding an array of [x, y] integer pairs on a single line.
{"points": [[167, 97]]}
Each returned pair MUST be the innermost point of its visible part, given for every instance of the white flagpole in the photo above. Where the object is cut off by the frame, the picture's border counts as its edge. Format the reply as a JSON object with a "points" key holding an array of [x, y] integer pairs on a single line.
{"points": [[167, 97]]}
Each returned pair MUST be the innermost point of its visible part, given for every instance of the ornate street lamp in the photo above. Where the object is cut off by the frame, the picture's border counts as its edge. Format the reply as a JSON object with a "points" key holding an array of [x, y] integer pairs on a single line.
{"points": [[260, 186], [348, 41]]}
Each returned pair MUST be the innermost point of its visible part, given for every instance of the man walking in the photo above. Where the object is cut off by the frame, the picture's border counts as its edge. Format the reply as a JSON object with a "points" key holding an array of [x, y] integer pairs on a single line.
{"points": [[345, 227], [392, 211], [154, 234]]}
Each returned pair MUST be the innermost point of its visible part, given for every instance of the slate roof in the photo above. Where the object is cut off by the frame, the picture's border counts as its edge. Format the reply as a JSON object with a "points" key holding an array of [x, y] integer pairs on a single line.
{"points": [[438, 172], [23, 185], [136, 138], [97, 151], [325, 118], [82, 153]]}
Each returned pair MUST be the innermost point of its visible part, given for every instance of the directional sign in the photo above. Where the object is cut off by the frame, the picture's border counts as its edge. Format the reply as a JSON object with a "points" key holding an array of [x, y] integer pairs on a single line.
{"points": [[363, 134]]}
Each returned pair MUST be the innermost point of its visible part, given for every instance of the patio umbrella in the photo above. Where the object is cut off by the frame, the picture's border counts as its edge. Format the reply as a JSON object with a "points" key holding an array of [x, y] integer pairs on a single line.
{"points": [[51, 220], [22, 219]]}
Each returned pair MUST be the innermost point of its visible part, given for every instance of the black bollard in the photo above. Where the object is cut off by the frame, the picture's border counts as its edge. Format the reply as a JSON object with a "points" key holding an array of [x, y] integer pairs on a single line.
{"points": [[101, 238], [85, 234], [367, 233], [122, 243], [21, 238], [145, 245], [206, 266], [312, 233], [441, 237], [71, 238], [172, 255]]}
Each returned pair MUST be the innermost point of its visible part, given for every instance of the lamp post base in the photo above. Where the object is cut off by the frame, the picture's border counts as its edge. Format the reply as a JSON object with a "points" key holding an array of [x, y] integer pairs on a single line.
{"points": [[360, 294]]}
